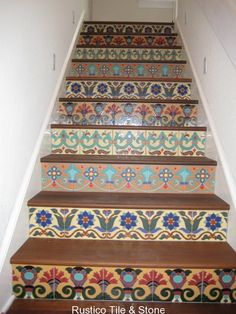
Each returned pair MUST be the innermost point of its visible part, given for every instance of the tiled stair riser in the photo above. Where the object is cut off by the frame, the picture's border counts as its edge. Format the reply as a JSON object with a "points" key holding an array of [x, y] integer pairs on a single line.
{"points": [[127, 178], [131, 113], [128, 29], [128, 142], [124, 283], [127, 70], [128, 90], [128, 224], [128, 40], [130, 54]]}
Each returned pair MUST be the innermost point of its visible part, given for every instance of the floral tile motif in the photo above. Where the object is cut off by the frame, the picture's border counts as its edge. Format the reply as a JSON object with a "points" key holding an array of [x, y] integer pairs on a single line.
{"points": [[127, 70], [96, 142], [128, 90], [128, 142], [127, 29], [81, 283], [94, 40], [65, 141], [162, 143], [192, 143], [219, 286], [34, 282], [128, 178], [209, 225], [136, 114], [131, 54]]}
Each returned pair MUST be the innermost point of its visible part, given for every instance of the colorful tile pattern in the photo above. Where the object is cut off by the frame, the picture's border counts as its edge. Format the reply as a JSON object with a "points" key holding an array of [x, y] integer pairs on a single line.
{"points": [[128, 142], [124, 283], [134, 54], [130, 113], [127, 90], [127, 70], [128, 29], [128, 178], [128, 40], [128, 224]]}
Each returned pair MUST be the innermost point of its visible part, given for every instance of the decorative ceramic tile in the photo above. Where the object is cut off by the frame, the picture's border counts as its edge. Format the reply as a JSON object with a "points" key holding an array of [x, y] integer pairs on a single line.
{"points": [[131, 54], [162, 143], [131, 113], [96, 142], [128, 40], [34, 282], [128, 90], [65, 141], [128, 142], [127, 70], [209, 225], [192, 143], [219, 286], [81, 283], [127, 28]]}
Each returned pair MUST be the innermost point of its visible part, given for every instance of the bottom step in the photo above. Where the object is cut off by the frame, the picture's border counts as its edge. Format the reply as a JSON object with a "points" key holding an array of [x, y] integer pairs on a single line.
{"points": [[74, 307]]}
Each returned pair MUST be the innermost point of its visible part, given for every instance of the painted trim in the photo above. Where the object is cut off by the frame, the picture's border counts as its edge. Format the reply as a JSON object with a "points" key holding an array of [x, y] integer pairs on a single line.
{"points": [[156, 4], [222, 158], [27, 177], [8, 304]]}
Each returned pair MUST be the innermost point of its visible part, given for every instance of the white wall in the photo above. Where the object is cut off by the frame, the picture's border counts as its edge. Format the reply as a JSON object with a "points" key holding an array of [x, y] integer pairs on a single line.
{"points": [[208, 28], [128, 10], [30, 33]]}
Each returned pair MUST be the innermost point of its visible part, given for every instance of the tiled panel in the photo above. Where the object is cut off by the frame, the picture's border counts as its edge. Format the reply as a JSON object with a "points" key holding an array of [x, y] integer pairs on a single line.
{"points": [[136, 114], [128, 40], [127, 70], [128, 224], [127, 90], [127, 142], [128, 178], [128, 29], [131, 54]]}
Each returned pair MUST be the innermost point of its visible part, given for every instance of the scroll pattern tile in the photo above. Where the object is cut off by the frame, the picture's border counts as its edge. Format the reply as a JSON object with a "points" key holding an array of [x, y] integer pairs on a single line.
{"points": [[128, 142], [128, 40], [131, 54], [128, 178], [127, 70], [128, 29], [127, 90], [124, 283], [128, 224], [131, 113]]}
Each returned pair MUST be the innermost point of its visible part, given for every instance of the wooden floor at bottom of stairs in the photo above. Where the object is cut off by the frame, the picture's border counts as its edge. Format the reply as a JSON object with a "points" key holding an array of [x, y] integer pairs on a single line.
{"points": [[74, 307]]}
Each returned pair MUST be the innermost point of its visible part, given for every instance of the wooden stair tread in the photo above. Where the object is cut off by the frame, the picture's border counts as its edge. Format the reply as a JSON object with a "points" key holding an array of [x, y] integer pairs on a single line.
{"points": [[128, 23], [128, 200], [113, 159], [128, 61], [130, 79], [130, 47], [174, 34], [143, 101], [102, 253], [65, 307], [128, 127]]}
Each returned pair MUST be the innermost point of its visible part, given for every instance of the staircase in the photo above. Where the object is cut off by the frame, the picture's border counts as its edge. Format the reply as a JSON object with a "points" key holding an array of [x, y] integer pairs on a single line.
{"points": [[127, 210]]}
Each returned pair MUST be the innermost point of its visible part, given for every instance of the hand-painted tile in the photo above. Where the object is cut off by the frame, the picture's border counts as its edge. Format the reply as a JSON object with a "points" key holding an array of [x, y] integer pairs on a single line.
{"points": [[219, 286], [112, 113], [129, 54], [65, 141], [162, 143], [81, 283], [34, 282], [91, 28], [192, 143], [96, 142], [128, 90], [128, 142]]}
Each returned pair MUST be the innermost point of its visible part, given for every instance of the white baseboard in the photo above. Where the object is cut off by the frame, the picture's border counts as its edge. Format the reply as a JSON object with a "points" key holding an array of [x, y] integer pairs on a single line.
{"points": [[8, 304]]}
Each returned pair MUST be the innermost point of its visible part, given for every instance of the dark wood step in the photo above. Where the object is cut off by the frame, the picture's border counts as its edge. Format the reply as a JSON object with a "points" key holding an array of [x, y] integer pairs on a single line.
{"points": [[127, 127], [129, 23], [129, 34], [128, 200], [207, 255], [131, 79], [61, 158], [65, 307], [129, 61], [131, 47], [143, 101]]}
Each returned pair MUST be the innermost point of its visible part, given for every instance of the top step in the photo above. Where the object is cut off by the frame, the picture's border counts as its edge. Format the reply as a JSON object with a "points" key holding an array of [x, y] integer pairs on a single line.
{"points": [[108, 27]]}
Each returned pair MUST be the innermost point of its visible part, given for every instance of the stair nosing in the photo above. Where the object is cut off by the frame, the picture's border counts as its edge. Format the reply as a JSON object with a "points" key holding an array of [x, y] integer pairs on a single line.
{"points": [[130, 79], [100, 33], [128, 23], [127, 61], [130, 47], [151, 101]]}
